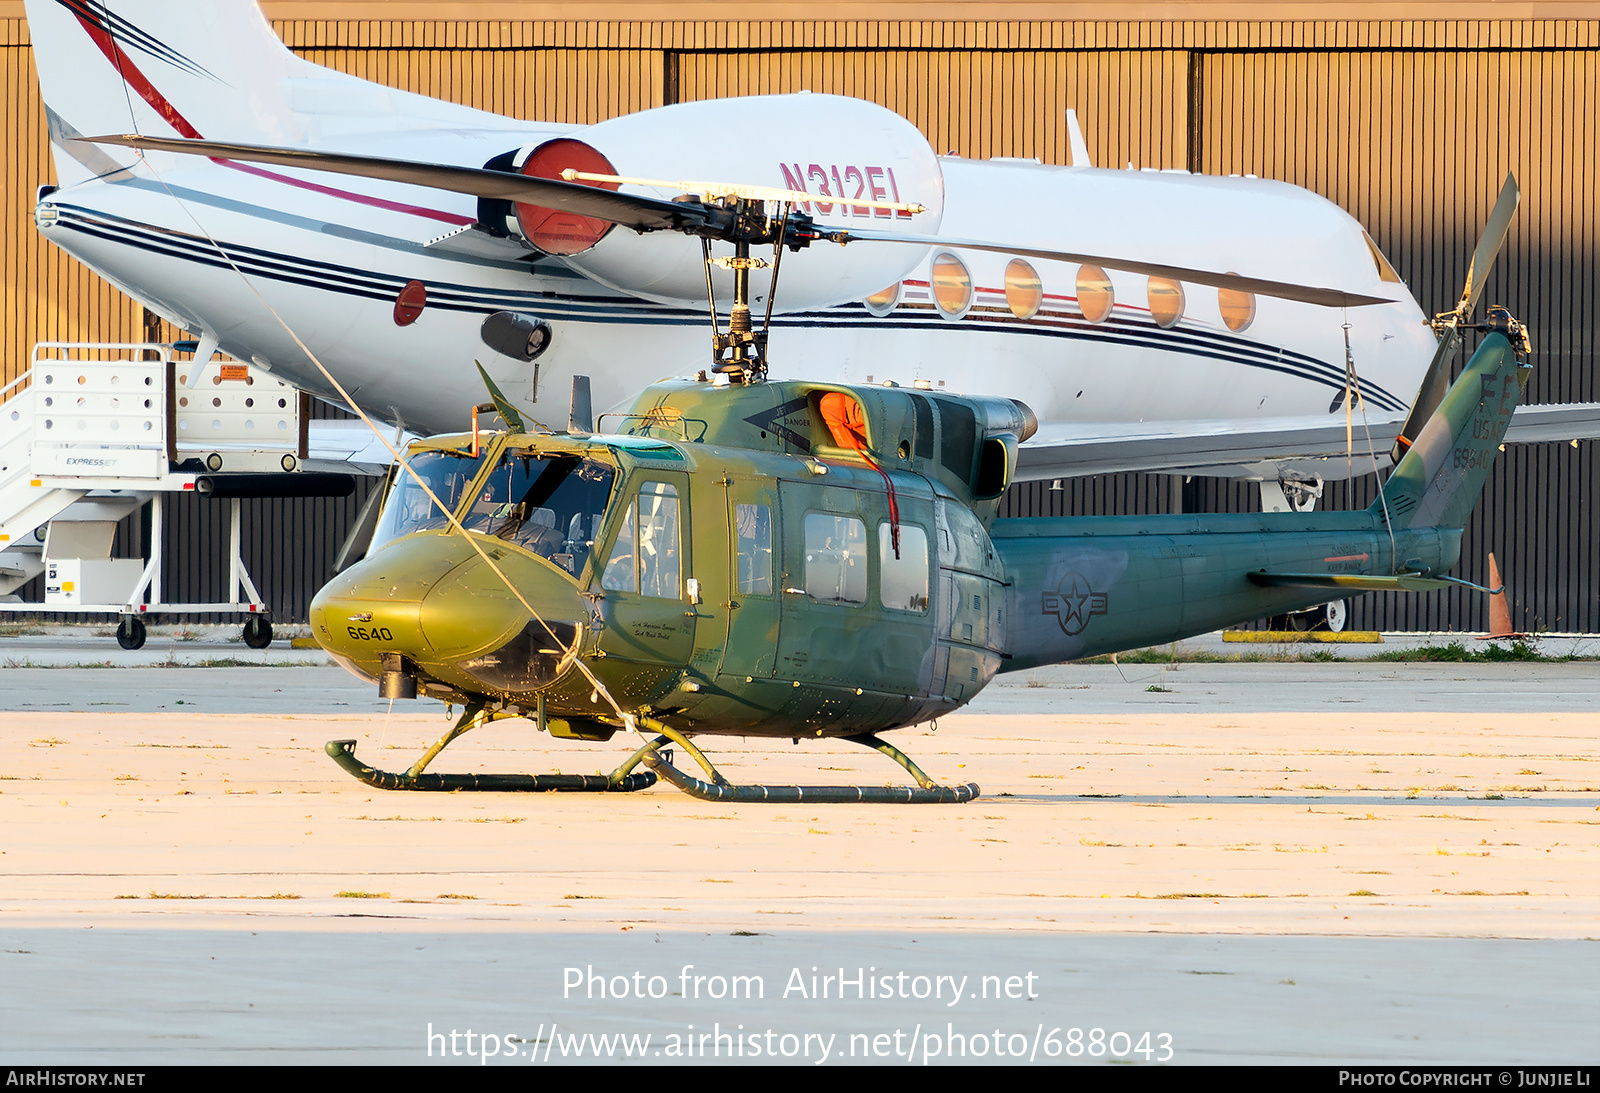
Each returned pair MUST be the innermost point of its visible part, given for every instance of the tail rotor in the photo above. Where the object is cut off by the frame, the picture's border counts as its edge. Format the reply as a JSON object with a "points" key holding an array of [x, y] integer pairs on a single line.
{"points": [[1449, 324]]}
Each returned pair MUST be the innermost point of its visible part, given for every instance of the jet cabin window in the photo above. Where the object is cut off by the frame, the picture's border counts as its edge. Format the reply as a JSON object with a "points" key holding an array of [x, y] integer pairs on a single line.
{"points": [[1095, 295], [1238, 308], [549, 504], [1166, 301], [645, 557], [409, 507], [952, 286], [836, 558], [1024, 292]]}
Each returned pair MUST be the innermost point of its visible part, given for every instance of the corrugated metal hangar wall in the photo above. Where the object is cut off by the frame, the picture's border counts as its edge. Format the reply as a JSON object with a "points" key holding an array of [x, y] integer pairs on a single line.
{"points": [[1410, 124]]}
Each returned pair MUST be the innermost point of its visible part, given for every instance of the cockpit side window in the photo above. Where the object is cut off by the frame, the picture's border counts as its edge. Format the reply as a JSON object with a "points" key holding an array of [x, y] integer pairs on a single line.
{"points": [[550, 504], [409, 508], [646, 555], [1385, 270]]}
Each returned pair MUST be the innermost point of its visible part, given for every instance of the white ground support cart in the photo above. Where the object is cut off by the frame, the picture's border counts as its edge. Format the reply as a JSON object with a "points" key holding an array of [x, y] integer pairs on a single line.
{"points": [[94, 431]]}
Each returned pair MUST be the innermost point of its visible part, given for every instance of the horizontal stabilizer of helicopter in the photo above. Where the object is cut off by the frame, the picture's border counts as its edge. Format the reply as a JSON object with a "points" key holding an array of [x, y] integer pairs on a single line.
{"points": [[1352, 582]]}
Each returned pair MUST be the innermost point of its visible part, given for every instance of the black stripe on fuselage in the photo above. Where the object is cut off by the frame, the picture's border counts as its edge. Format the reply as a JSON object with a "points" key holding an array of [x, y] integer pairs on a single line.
{"points": [[620, 308]]}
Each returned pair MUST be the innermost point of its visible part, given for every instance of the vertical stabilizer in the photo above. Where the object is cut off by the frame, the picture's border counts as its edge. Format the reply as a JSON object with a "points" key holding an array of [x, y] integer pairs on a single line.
{"points": [[117, 66], [1438, 481]]}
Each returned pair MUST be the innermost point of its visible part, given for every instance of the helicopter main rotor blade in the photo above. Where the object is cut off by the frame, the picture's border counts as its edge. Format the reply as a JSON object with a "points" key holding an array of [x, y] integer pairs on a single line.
{"points": [[1436, 380], [1283, 290], [639, 213], [692, 217]]}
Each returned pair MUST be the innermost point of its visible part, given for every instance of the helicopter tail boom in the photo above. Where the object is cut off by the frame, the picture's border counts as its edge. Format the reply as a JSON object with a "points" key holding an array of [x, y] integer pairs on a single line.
{"points": [[1161, 578]]}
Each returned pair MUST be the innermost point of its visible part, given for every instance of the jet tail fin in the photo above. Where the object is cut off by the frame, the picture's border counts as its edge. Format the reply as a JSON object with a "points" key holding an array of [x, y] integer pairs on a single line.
{"points": [[151, 66], [1437, 482]]}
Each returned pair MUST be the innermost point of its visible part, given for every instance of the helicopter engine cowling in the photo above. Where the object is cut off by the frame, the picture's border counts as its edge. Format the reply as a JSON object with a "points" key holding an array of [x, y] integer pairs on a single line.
{"points": [[826, 145]]}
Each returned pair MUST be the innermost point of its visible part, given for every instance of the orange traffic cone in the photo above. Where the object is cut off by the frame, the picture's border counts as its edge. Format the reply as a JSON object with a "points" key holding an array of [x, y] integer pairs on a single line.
{"points": [[1499, 608]]}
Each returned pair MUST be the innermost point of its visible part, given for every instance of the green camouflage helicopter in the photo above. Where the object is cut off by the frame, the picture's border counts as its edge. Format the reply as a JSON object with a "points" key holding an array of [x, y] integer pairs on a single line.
{"points": [[739, 556], [795, 559]]}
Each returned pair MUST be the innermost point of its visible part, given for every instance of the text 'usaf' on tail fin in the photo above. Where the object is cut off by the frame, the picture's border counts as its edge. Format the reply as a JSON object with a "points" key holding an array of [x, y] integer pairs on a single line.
{"points": [[1438, 481]]}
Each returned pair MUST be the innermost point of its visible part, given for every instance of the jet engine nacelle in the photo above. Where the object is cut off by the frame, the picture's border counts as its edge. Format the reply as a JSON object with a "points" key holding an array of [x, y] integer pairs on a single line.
{"points": [[839, 150]]}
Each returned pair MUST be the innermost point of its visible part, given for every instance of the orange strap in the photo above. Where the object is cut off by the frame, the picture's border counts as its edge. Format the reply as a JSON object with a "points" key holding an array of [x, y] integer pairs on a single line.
{"points": [[847, 421]]}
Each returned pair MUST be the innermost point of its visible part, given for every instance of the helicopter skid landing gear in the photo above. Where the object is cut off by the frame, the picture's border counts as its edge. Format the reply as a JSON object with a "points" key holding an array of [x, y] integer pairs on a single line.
{"points": [[343, 752], [719, 789]]}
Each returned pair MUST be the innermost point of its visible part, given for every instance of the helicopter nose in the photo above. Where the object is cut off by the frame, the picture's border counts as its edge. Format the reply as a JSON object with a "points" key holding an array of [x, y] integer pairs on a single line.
{"points": [[375, 607], [433, 601], [479, 623], [403, 600], [471, 609]]}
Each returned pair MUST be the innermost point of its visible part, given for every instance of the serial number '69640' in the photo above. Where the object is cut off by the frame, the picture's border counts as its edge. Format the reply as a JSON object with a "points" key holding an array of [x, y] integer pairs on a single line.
{"points": [[376, 633]]}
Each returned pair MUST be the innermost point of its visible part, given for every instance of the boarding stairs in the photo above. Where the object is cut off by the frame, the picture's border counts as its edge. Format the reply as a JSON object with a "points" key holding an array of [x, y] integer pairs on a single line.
{"points": [[92, 432]]}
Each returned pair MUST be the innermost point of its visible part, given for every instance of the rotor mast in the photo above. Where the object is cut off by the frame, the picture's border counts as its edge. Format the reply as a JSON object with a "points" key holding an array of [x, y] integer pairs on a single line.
{"points": [[741, 352]]}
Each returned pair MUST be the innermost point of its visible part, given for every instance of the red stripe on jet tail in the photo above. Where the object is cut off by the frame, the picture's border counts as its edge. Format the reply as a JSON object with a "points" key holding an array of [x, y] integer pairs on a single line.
{"points": [[158, 102]]}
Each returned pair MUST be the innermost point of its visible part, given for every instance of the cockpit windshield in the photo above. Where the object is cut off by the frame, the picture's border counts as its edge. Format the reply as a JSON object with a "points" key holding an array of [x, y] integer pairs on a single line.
{"points": [[549, 503], [410, 509]]}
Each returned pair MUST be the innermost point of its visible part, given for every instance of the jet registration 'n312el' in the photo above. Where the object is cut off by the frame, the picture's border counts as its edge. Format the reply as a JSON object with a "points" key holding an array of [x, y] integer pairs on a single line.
{"points": [[1160, 320]]}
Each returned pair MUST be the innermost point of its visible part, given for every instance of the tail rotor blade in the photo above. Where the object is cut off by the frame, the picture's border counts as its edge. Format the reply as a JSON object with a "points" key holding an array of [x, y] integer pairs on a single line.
{"points": [[1436, 380], [1493, 238]]}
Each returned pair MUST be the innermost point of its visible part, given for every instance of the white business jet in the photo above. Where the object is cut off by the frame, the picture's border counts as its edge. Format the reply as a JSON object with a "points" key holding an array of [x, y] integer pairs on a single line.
{"points": [[1153, 320]]}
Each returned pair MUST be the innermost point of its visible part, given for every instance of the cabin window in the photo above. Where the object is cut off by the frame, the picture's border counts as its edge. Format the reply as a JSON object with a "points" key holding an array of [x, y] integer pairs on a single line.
{"points": [[1385, 270], [1166, 301], [952, 286], [1024, 293], [550, 504], [1095, 296], [881, 303], [1238, 308], [409, 507], [903, 581], [645, 556], [753, 528], [836, 558]]}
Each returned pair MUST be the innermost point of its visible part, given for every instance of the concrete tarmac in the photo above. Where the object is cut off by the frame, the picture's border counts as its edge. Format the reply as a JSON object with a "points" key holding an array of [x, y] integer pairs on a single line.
{"points": [[1323, 862]]}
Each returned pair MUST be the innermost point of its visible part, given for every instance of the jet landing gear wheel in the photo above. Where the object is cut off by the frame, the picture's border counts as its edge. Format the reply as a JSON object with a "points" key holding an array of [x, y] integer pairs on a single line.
{"points": [[130, 633], [257, 632], [1334, 616]]}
